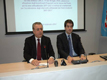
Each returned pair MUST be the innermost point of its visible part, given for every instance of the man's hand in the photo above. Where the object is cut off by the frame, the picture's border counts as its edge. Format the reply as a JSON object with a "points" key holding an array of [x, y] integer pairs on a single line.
{"points": [[69, 59], [83, 57], [35, 62], [50, 60]]}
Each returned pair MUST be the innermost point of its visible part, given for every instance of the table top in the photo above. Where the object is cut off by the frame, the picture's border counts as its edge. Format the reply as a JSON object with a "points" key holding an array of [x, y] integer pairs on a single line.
{"points": [[23, 67]]}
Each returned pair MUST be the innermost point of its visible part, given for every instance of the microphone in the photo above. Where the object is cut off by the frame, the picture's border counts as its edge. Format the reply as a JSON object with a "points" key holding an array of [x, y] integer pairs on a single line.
{"points": [[56, 63], [63, 63], [80, 61], [46, 55]]}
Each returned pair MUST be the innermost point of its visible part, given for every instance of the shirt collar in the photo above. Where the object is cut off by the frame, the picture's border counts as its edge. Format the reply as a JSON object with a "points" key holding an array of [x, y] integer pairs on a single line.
{"points": [[37, 38], [68, 34]]}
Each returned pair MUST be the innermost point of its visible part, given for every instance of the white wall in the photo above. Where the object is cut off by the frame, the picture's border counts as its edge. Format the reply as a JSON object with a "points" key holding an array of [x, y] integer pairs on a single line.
{"points": [[11, 46]]}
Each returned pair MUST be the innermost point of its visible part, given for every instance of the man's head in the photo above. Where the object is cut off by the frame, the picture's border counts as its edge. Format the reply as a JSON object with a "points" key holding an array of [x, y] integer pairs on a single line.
{"points": [[68, 26], [37, 29]]}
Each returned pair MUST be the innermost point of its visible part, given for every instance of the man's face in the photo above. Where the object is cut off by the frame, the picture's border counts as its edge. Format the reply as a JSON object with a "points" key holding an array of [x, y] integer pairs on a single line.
{"points": [[38, 30], [69, 28]]}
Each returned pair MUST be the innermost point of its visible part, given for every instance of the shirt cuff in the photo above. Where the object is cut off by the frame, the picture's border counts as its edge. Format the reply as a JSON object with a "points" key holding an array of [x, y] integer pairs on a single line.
{"points": [[52, 57], [31, 60], [82, 55]]}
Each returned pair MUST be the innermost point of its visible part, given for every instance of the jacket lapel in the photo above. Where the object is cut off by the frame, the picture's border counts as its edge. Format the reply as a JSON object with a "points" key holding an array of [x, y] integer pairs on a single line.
{"points": [[34, 46], [42, 46], [73, 40], [66, 40]]}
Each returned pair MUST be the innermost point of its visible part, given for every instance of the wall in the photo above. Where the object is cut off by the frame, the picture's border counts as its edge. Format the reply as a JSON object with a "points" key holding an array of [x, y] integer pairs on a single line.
{"points": [[102, 45], [11, 46]]}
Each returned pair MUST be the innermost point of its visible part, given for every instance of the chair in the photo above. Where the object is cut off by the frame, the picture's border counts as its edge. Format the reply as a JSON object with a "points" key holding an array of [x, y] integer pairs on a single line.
{"points": [[91, 53], [24, 60]]}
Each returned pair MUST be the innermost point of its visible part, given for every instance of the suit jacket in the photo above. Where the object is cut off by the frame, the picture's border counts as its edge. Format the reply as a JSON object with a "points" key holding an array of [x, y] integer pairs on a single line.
{"points": [[63, 45], [30, 48]]}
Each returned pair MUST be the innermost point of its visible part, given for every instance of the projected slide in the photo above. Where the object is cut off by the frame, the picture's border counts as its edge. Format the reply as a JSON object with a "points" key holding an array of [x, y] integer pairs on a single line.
{"points": [[21, 14]]}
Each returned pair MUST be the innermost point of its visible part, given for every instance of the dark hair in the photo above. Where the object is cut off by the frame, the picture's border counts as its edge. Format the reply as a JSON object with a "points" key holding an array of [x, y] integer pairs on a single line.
{"points": [[68, 21], [36, 23]]}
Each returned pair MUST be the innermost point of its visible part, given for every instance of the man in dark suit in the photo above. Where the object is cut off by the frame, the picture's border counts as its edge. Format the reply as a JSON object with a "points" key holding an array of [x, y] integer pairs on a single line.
{"points": [[35, 45], [69, 44]]}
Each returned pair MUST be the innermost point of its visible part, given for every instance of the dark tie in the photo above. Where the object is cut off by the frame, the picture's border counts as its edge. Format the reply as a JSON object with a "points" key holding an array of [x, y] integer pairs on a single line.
{"points": [[70, 46], [38, 50]]}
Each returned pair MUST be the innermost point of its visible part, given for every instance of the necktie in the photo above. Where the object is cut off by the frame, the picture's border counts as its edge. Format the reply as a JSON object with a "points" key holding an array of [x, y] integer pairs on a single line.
{"points": [[38, 50], [70, 46]]}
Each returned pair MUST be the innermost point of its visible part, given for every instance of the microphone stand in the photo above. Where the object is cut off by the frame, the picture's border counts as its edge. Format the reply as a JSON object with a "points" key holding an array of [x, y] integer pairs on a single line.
{"points": [[84, 61]]}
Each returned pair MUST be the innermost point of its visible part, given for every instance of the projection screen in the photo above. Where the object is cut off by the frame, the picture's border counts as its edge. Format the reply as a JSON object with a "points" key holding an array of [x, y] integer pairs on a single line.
{"points": [[21, 14]]}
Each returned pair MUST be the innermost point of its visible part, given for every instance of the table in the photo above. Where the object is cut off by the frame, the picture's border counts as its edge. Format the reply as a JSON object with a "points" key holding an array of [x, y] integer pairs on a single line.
{"points": [[89, 71]]}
